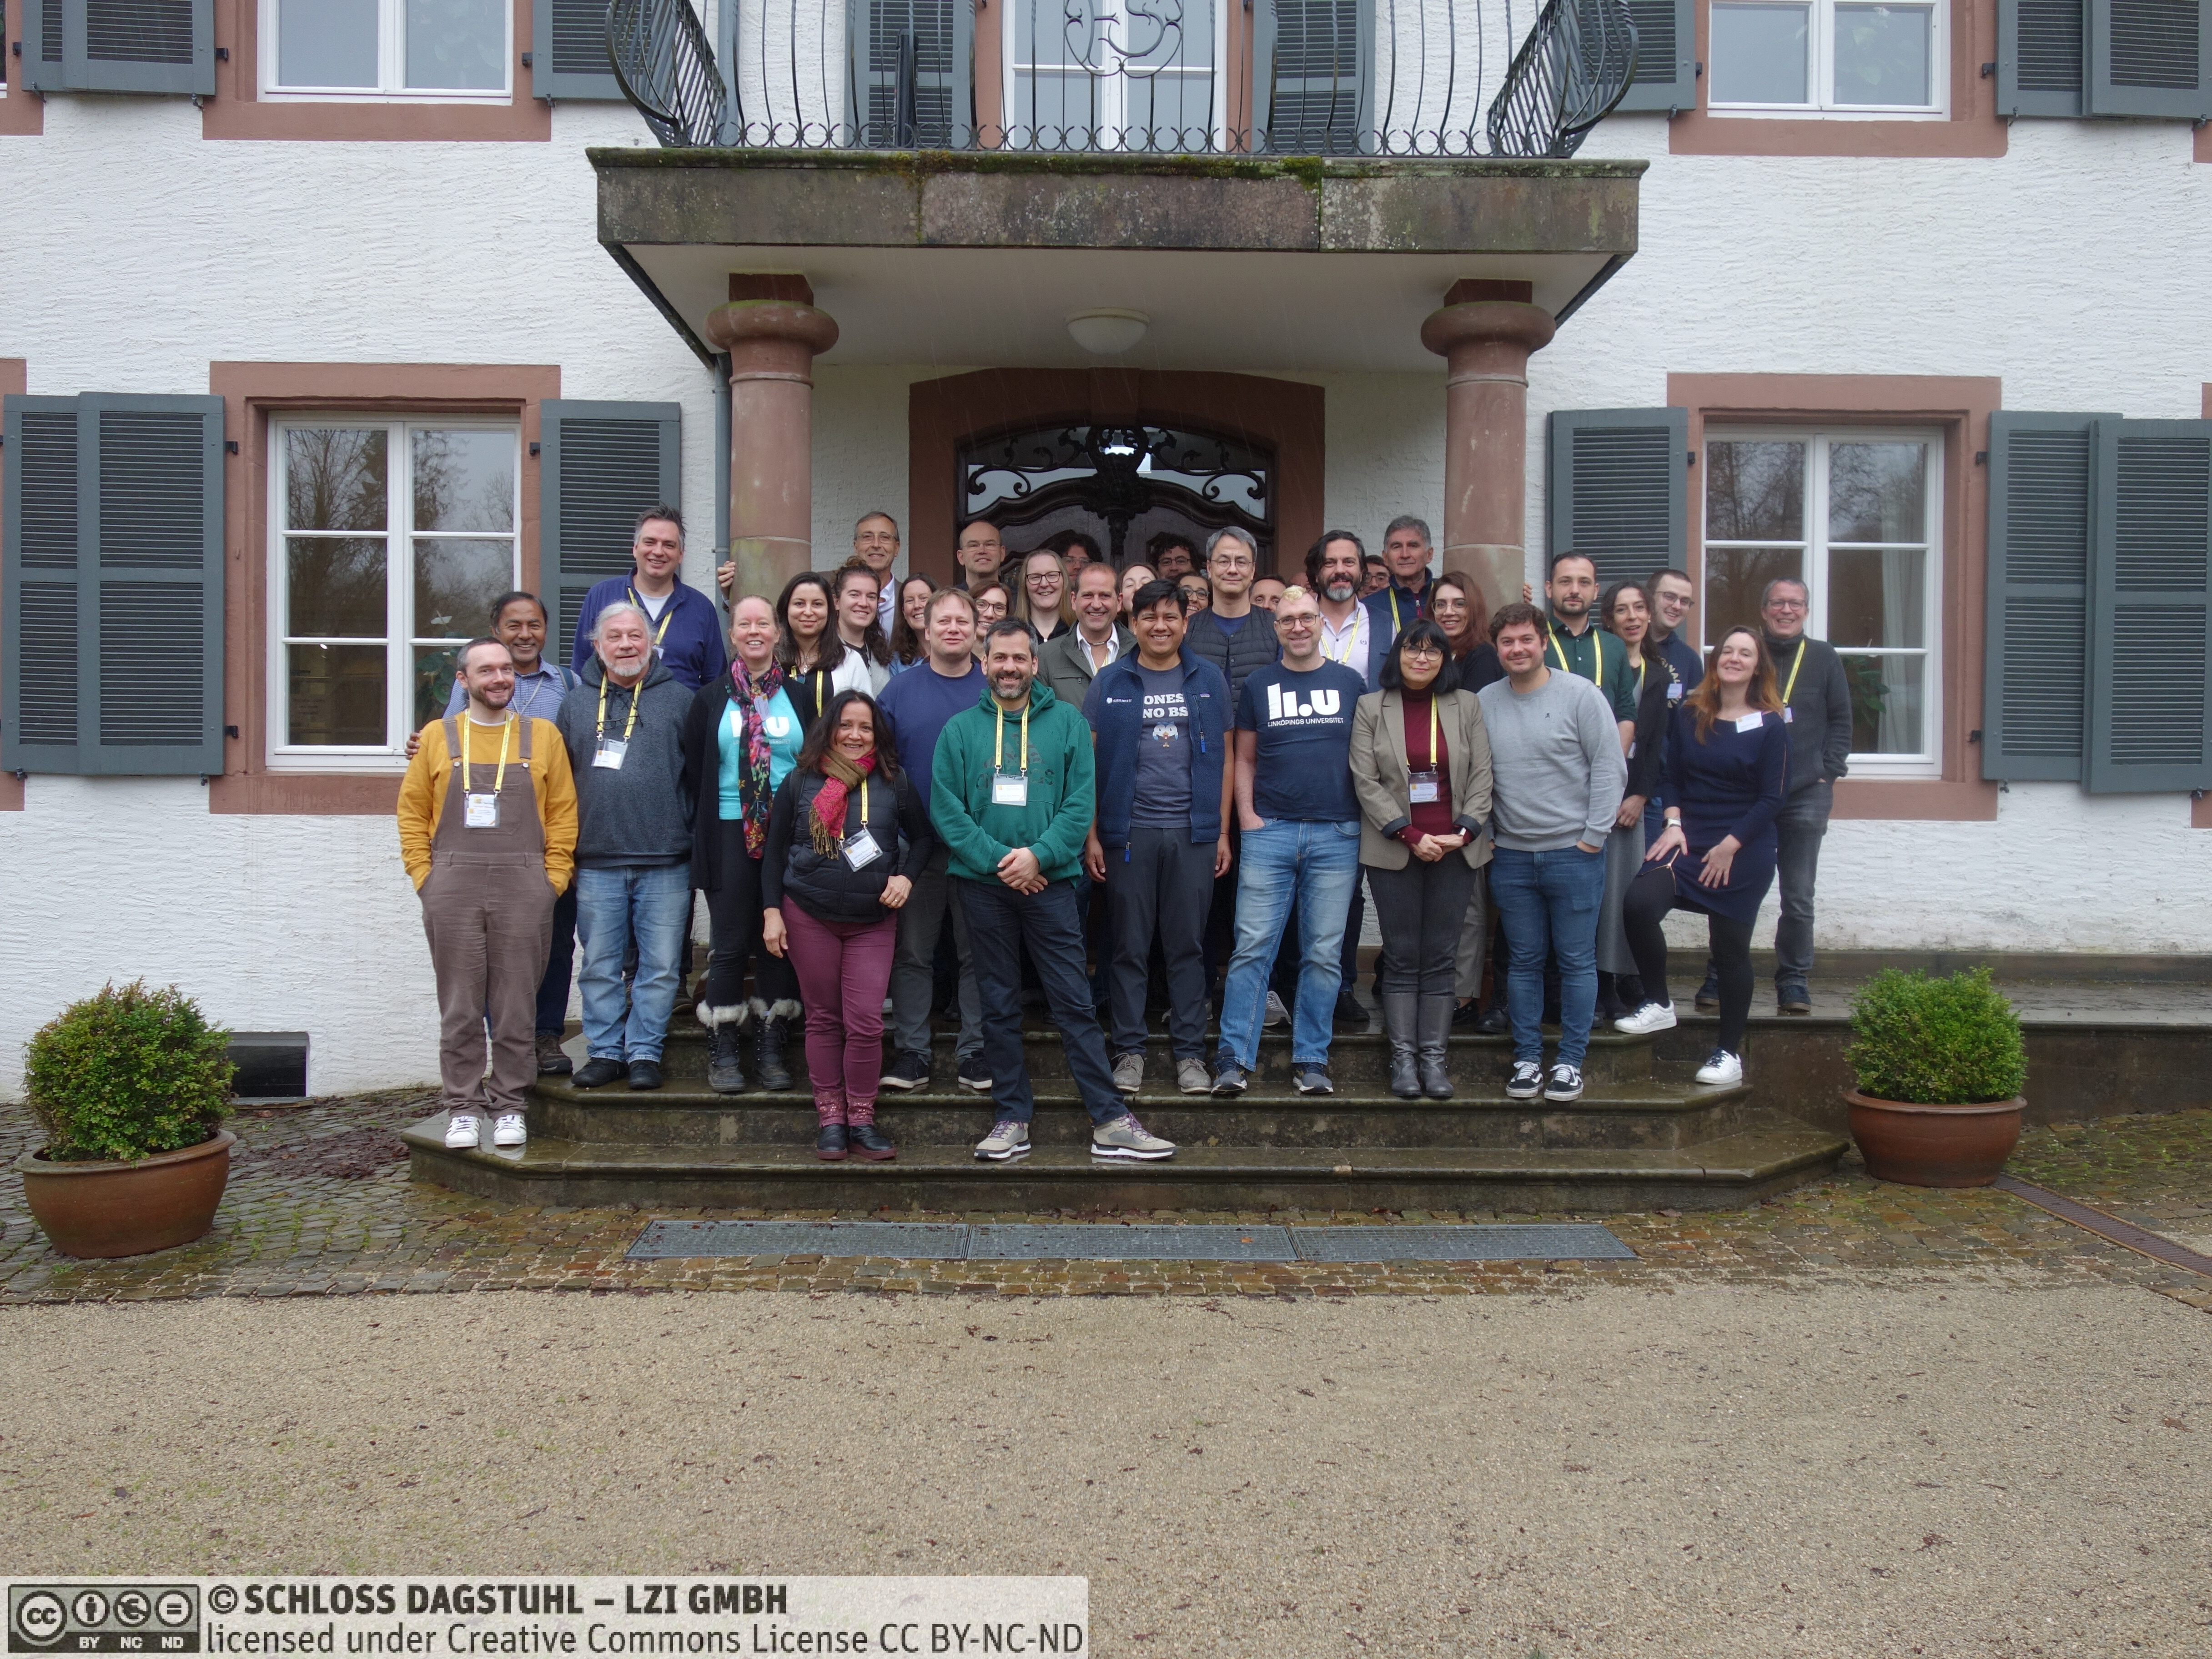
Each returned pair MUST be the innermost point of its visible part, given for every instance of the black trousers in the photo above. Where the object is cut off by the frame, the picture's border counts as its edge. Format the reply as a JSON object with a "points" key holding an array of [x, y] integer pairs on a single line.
{"points": [[1650, 896], [1162, 882], [1419, 910], [733, 922]]}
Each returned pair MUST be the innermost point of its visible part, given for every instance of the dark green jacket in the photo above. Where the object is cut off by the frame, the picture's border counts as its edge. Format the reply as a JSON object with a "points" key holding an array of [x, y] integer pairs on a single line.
{"points": [[1062, 787]]}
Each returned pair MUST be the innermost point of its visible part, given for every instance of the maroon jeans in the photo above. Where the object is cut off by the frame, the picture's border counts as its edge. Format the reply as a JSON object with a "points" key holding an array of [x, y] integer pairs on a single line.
{"points": [[843, 968]]}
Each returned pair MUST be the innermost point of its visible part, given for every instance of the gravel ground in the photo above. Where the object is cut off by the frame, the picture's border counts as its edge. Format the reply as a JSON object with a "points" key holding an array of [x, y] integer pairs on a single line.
{"points": [[1858, 1467]]}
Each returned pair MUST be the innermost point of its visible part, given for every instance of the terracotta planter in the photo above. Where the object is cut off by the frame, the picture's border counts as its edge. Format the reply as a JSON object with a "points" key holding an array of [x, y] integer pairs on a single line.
{"points": [[128, 1209], [1933, 1145]]}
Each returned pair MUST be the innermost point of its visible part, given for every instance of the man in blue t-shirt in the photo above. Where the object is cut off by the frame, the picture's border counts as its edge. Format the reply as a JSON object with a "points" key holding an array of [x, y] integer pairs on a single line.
{"points": [[1301, 844], [917, 705]]}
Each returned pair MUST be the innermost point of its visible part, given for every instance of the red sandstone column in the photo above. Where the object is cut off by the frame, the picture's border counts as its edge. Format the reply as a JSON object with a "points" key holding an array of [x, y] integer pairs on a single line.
{"points": [[1485, 333], [772, 344]]}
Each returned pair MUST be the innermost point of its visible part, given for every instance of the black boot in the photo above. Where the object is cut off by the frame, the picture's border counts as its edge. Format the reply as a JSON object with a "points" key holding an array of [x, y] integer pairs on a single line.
{"points": [[1496, 1020], [771, 1026], [725, 1029], [1400, 1017], [1434, 1031]]}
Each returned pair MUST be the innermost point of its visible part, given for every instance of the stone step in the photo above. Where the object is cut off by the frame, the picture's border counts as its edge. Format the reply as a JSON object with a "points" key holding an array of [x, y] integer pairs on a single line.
{"points": [[1353, 1058], [1765, 1154], [1648, 1114]]}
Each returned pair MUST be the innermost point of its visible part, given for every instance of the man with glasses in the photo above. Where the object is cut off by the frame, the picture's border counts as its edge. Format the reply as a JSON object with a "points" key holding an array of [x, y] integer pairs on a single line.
{"points": [[1816, 702], [1301, 844], [876, 544], [1674, 596]]}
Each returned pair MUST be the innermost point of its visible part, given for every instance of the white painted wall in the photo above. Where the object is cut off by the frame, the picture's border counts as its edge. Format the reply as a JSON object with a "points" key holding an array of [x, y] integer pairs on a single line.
{"points": [[138, 252]]}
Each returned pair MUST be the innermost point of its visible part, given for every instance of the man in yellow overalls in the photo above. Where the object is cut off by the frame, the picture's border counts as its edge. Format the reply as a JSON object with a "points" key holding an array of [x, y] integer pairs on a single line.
{"points": [[487, 833]]}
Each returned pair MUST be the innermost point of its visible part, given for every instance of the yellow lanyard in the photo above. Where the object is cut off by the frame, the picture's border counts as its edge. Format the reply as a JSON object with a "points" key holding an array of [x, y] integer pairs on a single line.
{"points": [[599, 730], [468, 753], [1351, 635], [1794, 667], [1642, 663], [864, 801], [1597, 655], [1433, 767], [667, 615], [999, 752], [1397, 627]]}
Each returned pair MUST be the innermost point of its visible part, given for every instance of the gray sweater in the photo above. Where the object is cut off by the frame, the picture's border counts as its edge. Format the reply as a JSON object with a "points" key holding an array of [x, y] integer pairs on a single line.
{"points": [[641, 813], [1556, 770]]}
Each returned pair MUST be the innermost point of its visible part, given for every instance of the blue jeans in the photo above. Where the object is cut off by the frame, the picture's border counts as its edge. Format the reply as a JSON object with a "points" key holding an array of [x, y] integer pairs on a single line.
{"points": [[1549, 902], [1317, 865], [649, 906], [1000, 923]]}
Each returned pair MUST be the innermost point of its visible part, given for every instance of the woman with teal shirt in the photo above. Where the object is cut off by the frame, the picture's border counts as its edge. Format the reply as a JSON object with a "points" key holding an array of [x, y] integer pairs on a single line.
{"points": [[741, 739]]}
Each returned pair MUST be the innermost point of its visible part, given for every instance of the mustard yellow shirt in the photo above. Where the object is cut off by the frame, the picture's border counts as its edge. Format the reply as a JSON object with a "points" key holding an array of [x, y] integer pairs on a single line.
{"points": [[422, 795]]}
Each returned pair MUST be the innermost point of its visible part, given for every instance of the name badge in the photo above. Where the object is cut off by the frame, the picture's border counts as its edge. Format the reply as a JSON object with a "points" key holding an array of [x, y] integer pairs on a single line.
{"points": [[609, 755], [1750, 722], [1424, 789], [1010, 789], [862, 850], [1673, 691], [1788, 715], [480, 811]]}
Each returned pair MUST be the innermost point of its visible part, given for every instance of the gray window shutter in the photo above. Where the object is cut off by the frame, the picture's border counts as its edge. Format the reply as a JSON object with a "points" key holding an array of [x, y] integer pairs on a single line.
{"points": [[114, 646], [1313, 76], [2150, 609], [123, 46], [39, 586], [1665, 73], [2042, 55], [599, 466], [1617, 488], [929, 43], [2035, 641], [41, 65], [2150, 57], [568, 51]]}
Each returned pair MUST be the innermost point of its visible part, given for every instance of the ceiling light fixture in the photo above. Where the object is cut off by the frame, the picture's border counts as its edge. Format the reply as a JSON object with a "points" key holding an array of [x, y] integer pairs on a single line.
{"points": [[1106, 331]]}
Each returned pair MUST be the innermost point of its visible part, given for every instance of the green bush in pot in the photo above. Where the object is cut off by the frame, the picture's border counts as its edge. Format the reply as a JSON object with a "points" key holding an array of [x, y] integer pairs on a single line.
{"points": [[127, 1074], [1947, 1041]]}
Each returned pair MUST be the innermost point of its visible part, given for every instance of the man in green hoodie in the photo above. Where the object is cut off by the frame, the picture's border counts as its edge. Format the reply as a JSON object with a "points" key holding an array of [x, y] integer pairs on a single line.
{"points": [[1010, 795]]}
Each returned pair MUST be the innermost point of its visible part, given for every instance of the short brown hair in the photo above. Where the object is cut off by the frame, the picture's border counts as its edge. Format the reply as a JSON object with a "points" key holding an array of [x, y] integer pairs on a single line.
{"points": [[1515, 614]]}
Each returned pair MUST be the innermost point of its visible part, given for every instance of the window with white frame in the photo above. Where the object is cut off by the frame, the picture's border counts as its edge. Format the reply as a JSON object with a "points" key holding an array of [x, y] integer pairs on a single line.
{"points": [[1853, 516], [414, 49], [390, 541], [1843, 55], [1114, 74]]}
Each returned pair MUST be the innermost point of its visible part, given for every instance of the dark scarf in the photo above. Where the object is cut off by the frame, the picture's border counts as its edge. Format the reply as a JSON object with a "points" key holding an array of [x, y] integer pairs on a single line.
{"points": [[749, 693]]}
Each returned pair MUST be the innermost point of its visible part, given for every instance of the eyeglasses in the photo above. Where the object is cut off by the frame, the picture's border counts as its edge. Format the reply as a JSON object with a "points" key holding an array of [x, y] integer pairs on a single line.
{"points": [[1778, 604], [1420, 651], [1042, 579]]}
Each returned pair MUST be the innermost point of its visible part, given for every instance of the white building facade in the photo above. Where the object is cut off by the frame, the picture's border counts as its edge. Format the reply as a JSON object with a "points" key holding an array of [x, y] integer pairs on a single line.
{"points": [[298, 367]]}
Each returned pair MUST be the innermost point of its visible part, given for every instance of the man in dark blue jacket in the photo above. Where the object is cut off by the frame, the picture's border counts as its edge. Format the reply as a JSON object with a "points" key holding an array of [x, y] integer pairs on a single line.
{"points": [[1160, 719], [687, 629]]}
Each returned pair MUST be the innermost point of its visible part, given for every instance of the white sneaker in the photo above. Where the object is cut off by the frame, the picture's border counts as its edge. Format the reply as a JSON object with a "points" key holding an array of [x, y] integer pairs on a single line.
{"points": [[461, 1131], [1651, 1017], [510, 1130], [1724, 1069], [1276, 1014]]}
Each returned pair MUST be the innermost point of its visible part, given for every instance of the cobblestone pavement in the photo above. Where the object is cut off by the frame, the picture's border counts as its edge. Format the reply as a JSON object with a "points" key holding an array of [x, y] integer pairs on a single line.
{"points": [[319, 1204]]}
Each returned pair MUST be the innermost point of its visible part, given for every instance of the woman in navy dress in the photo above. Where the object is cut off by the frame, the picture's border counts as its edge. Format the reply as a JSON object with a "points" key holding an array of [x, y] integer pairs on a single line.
{"points": [[1728, 758]]}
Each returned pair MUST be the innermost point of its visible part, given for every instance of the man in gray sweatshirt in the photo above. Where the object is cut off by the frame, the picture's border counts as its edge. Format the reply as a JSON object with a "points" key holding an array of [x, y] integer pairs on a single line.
{"points": [[624, 727], [1556, 777]]}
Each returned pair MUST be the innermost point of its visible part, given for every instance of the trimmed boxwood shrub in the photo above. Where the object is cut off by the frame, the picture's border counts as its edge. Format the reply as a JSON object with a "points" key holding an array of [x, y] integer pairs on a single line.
{"points": [[1949, 1041], [127, 1074]]}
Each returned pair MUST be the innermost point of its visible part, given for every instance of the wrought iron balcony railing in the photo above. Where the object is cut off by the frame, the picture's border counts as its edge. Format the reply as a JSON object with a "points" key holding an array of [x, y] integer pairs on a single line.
{"points": [[1176, 77]]}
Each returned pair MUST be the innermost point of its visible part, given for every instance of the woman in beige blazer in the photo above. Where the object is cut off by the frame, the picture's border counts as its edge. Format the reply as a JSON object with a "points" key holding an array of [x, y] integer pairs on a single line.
{"points": [[1420, 762]]}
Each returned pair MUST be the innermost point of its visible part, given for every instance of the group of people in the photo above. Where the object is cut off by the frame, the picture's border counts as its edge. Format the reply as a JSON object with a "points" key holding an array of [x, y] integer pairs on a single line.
{"points": [[1195, 791]]}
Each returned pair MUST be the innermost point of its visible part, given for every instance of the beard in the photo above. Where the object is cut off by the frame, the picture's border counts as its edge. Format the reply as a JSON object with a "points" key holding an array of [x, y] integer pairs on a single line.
{"points": [[1343, 589]]}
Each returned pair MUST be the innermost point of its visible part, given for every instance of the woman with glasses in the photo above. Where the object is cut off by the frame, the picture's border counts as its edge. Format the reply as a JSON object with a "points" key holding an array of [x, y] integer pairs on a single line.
{"points": [[993, 600], [1044, 603], [1197, 592], [1456, 604], [1421, 764]]}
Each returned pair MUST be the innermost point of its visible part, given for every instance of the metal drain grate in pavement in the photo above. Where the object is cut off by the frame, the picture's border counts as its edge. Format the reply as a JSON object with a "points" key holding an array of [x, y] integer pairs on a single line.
{"points": [[938, 1241]]}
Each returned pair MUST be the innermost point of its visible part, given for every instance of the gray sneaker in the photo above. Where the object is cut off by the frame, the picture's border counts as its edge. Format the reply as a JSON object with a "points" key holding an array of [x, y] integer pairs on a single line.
{"points": [[1007, 1142], [1192, 1079], [1275, 1014], [1124, 1137], [1129, 1073]]}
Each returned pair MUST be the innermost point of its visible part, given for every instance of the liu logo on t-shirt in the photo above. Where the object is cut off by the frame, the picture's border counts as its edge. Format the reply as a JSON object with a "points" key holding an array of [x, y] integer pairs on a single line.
{"points": [[1282, 707]]}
